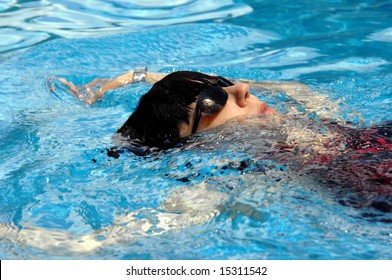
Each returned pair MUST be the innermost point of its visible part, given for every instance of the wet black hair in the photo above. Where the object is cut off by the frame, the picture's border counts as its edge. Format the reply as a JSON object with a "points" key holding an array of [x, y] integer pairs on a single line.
{"points": [[160, 112]]}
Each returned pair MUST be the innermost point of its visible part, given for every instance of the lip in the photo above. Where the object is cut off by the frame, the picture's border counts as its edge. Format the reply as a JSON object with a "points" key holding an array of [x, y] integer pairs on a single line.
{"points": [[263, 108]]}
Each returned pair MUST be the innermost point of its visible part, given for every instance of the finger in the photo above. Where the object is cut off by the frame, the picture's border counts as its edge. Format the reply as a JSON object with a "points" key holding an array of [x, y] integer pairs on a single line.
{"points": [[69, 84]]}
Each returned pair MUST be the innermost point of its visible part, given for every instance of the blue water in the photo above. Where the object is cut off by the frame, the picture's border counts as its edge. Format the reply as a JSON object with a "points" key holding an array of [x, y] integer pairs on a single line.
{"points": [[55, 174]]}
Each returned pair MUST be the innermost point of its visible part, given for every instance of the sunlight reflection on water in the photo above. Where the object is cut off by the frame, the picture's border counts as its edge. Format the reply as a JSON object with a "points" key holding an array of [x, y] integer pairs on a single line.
{"points": [[28, 23]]}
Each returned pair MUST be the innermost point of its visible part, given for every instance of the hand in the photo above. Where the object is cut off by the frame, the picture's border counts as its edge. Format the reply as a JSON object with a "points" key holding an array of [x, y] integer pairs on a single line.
{"points": [[88, 93]]}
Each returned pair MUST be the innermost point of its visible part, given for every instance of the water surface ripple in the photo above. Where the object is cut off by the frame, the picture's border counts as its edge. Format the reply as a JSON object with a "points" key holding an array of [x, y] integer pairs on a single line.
{"points": [[26, 23]]}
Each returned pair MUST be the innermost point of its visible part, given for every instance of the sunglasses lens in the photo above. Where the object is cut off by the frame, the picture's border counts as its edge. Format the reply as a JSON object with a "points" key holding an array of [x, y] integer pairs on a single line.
{"points": [[212, 100]]}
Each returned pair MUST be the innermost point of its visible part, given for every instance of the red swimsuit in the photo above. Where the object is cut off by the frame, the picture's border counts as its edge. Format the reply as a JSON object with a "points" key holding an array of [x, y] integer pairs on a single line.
{"points": [[362, 176]]}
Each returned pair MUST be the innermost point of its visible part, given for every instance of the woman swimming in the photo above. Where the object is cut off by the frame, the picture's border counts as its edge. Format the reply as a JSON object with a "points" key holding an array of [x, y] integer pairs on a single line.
{"points": [[178, 105], [184, 102], [352, 163]]}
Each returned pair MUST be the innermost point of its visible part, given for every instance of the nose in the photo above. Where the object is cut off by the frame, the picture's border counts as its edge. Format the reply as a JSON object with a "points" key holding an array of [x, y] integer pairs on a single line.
{"points": [[240, 92]]}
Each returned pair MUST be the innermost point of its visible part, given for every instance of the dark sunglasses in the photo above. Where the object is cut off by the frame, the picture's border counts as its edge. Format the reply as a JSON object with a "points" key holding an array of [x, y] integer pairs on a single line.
{"points": [[211, 100]]}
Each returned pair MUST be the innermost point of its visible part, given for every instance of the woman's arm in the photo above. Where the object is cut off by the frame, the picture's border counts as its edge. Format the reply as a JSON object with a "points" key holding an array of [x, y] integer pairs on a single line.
{"points": [[96, 89], [310, 99], [125, 79]]}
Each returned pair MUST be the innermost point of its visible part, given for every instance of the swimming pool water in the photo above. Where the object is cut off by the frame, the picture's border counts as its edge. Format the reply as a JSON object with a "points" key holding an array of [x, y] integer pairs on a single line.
{"points": [[54, 170]]}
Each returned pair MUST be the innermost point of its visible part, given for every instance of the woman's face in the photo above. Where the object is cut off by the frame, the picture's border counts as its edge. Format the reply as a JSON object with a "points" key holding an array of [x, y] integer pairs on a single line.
{"points": [[239, 103]]}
